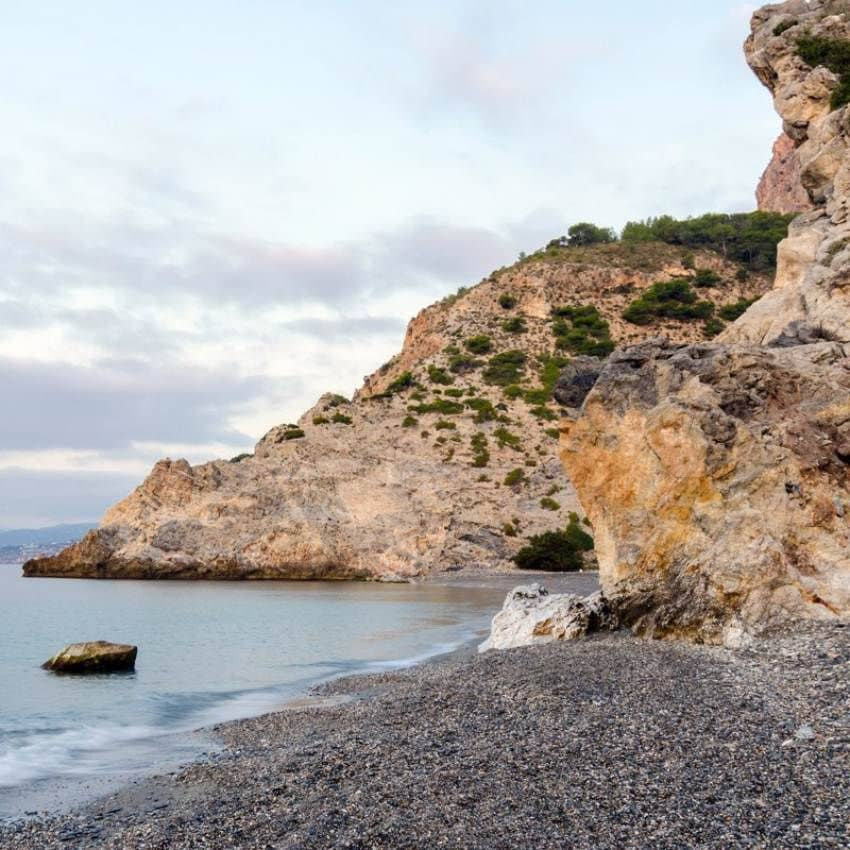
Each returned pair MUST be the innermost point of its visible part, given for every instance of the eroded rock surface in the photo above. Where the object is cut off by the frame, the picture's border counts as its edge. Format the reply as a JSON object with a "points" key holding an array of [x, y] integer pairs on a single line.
{"points": [[531, 615], [781, 188], [716, 478]]}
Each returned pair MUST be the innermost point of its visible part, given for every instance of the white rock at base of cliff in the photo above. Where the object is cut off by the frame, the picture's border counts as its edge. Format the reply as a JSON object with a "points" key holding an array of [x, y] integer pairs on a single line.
{"points": [[531, 615]]}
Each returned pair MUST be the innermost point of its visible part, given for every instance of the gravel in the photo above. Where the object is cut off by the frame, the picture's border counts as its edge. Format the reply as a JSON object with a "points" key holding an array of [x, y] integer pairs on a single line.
{"points": [[605, 743]]}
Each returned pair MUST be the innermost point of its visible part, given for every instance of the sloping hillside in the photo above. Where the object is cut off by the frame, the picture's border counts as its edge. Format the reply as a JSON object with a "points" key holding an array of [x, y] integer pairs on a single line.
{"points": [[446, 458]]}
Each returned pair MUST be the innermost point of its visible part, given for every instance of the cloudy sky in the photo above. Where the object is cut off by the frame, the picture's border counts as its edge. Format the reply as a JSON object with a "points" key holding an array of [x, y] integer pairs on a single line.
{"points": [[211, 212]]}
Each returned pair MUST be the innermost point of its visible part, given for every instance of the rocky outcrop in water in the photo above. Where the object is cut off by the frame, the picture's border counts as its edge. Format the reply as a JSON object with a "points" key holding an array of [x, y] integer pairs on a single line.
{"points": [[716, 475], [780, 188], [97, 656]]}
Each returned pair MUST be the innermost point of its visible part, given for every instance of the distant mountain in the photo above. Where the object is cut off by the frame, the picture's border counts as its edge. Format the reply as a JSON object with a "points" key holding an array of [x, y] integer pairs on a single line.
{"points": [[18, 545]]}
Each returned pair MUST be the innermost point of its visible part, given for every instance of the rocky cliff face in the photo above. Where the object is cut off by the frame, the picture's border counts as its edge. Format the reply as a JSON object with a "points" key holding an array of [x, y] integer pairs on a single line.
{"points": [[716, 475], [410, 476], [780, 188]]}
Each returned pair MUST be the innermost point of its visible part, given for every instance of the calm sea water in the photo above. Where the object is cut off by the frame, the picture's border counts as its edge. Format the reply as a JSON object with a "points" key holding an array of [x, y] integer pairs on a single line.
{"points": [[208, 652]]}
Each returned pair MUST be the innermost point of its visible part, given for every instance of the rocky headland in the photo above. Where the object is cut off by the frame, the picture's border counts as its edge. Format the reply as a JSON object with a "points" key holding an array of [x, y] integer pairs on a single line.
{"points": [[446, 458]]}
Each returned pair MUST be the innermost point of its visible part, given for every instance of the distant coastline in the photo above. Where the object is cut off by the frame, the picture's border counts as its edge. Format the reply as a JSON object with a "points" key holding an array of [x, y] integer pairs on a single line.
{"points": [[20, 544]]}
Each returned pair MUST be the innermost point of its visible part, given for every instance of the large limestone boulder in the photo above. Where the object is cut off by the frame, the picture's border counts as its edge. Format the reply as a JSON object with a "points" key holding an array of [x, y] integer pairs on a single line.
{"points": [[97, 656], [531, 615], [716, 479]]}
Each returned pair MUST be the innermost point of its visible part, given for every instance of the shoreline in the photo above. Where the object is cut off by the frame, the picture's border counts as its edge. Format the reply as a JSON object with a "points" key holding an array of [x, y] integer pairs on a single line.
{"points": [[60, 794], [603, 743]]}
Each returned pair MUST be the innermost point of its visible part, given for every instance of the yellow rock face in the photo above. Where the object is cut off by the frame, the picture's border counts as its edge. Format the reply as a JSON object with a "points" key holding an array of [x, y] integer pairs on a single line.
{"points": [[715, 481]]}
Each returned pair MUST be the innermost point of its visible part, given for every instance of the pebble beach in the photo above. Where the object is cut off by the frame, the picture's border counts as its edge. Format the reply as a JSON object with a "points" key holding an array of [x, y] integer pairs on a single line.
{"points": [[609, 742]]}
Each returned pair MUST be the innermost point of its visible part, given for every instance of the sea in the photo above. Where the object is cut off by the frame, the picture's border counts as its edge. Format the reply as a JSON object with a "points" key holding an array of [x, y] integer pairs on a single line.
{"points": [[208, 652]]}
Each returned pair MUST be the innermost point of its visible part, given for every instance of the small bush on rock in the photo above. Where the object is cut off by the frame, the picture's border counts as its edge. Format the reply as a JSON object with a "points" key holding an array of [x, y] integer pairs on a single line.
{"points": [[439, 376], [480, 344], [514, 326], [505, 368], [672, 299]]}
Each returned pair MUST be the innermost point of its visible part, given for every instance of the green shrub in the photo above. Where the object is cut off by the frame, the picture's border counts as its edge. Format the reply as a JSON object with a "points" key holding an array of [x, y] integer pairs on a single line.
{"points": [[451, 350], [747, 238], [577, 535], [341, 419], [516, 325], [293, 434], [506, 438], [443, 425], [689, 261], [480, 344], [454, 393], [585, 233], [513, 391], [554, 433], [240, 458], [730, 312], [706, 277], [409, 422], [402, 382], [540, 396], [552, 551], [742, 275], [439, 405], [509, 529], [514, 477], [505, 368], [320, 420], [439, 376], [549, 504], [582, 330], [484, 410], [784, 26], [507, 301], [834, 54], [418, 396], [460, 364], [480, 452], [712, 327], [336, 400], [673, 299], [543, 412]]}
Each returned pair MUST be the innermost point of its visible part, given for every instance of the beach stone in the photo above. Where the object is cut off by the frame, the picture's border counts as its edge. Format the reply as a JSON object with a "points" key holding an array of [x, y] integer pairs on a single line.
{"points": [[531, 615], [97, 656]]}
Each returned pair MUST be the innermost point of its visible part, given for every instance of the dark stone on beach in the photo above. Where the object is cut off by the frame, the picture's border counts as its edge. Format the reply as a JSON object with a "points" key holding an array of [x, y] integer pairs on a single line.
{"points": [[96, 656]]}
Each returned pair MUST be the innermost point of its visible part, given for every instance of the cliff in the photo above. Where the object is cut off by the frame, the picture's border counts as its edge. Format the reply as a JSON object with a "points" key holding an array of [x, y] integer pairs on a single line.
{"points": [[445, 458], [780, 188], [716, 474]]}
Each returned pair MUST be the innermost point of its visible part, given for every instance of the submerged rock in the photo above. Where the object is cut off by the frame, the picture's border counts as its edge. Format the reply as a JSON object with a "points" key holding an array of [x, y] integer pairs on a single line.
{"points": [[531, 615], [97, 656]]}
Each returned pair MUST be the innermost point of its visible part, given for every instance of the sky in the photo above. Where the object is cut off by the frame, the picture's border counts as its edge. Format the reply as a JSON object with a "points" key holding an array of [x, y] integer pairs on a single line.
{"points": [[213, 212]]}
